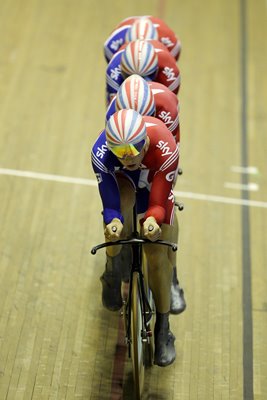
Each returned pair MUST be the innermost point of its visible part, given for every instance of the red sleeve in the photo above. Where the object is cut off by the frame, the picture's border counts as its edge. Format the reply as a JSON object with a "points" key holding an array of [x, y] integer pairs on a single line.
{"points": [[167, 37], [167, 110], [165, 154], [168, 73]]}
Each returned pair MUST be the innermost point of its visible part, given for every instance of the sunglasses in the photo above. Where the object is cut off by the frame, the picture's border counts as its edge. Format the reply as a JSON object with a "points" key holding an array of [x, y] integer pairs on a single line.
{"points": [[128, 150]]}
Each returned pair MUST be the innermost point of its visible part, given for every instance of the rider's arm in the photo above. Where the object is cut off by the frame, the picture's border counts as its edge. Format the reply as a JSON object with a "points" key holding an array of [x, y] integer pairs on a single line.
{"points": [[111, 108], [167, 108], [168, 73], [114, 42], [104, 162], [114, 76], [163, 179], [167, 37]]}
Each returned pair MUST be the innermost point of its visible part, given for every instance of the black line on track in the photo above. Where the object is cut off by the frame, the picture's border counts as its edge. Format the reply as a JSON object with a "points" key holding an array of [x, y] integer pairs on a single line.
{"points": [[246, 242]]}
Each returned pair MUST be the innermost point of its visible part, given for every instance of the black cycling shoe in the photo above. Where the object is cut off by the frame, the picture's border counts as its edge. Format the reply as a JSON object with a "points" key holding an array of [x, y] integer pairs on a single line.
{"points": [[164, 342], [178, 304], [111, 292], [111, 285]]}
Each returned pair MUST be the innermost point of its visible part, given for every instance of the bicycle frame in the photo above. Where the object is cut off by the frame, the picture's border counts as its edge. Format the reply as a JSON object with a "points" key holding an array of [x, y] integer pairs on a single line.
{"points": [[136, 242]]}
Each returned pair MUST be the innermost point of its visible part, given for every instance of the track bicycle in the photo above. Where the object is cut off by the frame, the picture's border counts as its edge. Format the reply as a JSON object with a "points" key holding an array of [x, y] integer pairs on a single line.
{"points": [[138, 308]]}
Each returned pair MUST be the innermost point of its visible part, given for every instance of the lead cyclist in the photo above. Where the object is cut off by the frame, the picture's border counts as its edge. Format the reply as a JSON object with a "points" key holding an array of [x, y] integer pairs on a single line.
{"points": [[135, 158]]}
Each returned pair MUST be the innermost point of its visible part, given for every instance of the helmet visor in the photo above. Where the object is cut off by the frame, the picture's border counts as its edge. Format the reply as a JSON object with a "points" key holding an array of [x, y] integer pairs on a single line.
{"points": [[127, 149]]}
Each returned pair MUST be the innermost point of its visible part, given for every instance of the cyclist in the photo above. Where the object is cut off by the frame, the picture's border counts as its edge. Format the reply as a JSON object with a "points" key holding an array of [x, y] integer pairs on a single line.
{"points": [[152, 98], [142, 27], [148, 98], [135, 159], [147, 58]]}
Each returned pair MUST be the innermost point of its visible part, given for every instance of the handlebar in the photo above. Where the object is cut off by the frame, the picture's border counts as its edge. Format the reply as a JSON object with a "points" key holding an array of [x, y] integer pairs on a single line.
{"points": [[130, 241]]}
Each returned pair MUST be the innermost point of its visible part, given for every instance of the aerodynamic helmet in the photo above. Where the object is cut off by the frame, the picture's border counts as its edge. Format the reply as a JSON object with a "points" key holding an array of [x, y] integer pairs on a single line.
{"points": [[135, 93], [139, 57], [142, 28], [126, 133]]}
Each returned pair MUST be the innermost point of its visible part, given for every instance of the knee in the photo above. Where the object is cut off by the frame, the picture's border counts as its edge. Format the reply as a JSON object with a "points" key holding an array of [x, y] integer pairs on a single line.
{"points": [[157, 256]]}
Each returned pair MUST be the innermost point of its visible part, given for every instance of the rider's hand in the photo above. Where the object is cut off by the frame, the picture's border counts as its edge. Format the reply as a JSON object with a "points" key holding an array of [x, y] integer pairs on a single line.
{"points": [[113, 230], [151, 229]]}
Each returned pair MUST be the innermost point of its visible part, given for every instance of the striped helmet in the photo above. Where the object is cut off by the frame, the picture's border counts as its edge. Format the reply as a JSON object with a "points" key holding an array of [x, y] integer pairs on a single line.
{"points": [[139, 57], [126, 133], [142, 28], [135, 93]]}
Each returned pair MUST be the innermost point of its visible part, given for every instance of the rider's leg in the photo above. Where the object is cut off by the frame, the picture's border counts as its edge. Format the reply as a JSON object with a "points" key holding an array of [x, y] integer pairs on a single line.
{"points": [[127, 199], [160, 271], [113, 274], [128, 196], [178, 303]]}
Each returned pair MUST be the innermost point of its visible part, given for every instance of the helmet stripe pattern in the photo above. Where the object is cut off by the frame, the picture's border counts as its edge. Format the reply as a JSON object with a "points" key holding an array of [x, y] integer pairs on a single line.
{"points": [[135, 93], [139, 57], [142, 28], [126, 133]]}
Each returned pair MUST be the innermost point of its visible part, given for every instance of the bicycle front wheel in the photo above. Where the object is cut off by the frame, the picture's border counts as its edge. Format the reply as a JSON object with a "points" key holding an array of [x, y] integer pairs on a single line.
{"points": [[137, 345]]}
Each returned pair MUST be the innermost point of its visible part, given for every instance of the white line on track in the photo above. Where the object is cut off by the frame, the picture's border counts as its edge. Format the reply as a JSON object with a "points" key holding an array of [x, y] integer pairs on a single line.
{"points": [[245, 170], [92, 182], [48, 177], [253, 187]]}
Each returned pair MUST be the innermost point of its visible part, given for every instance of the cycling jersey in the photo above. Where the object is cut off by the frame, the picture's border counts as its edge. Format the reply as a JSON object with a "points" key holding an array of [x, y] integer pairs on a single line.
{"points": [[166, 104], [153, 180], [168, 73], [165, 36]]}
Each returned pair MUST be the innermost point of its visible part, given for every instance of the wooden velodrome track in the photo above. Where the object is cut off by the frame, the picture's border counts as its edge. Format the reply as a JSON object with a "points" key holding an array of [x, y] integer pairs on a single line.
{"points": [[56, 340]]}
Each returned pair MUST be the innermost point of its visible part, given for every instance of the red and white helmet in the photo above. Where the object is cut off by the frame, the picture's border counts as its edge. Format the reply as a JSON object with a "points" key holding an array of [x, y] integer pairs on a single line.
{"points": [[139, 57], [126, 133], [143, 29], [135, 93]]}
